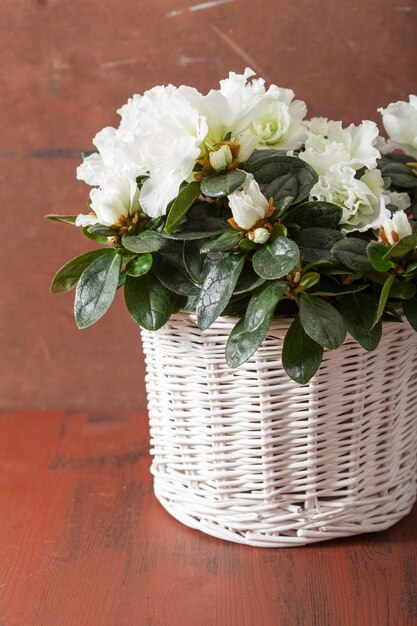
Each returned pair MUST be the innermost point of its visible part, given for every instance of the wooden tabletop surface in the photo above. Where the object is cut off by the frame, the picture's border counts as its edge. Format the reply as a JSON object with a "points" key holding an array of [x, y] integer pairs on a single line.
{"points": [[83, 542]]}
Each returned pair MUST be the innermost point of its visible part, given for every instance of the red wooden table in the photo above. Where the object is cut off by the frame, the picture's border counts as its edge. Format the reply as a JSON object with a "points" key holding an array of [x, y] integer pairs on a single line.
{"points": [[83, 542]]}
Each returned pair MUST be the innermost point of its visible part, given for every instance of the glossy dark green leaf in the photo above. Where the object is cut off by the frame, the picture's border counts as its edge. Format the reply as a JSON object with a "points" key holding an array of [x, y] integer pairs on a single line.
{"points": [[262, 304], [301, 355], [401, 175], [314, 215], [193, 260], [316, 243], [322, 322], [172, 273], [139, 265], [410, 311], [67, 277], [93, 236], [359, 311], [410, 269], [99, 229], [276, 259], [148, 301], [96, 289], [66, 219], [384, 297], [225, 242], [284, 176], [402, 247], [217, 289], [219, 185], [351, 252], [181, 205], [248, 281], [146, 241], [376, 253], [402, 290], [242, 343], [328, 287]]}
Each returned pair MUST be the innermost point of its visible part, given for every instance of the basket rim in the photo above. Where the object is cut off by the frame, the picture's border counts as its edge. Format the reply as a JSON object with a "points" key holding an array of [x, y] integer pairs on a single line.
{"points": [[282, 322]]}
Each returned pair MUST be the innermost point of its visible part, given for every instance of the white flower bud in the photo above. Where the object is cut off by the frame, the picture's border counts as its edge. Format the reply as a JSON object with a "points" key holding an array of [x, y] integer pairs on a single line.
{"points": [[221, 158], [396, 228], [248, 204], [261, 235]]}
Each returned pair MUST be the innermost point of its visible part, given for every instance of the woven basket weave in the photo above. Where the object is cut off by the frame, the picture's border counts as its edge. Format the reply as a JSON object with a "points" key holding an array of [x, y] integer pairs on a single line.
{"points": [[249, 456]]}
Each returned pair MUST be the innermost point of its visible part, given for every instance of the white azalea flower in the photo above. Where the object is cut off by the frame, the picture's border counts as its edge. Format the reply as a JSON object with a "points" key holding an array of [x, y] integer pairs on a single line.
{"points": [[118, 197], [323, 154], [318, 125], [400, 199], [248, 204], [171, 133], [353, 146], [395, 228], [363, 201], [400, 122]]}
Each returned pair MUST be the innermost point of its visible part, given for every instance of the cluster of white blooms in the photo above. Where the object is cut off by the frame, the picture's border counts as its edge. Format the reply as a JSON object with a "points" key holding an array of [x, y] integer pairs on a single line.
{"points": [[164, 132], [337, 154]]}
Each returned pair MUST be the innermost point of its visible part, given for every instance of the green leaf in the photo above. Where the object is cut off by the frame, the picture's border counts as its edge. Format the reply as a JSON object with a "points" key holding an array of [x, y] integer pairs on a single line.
{"points": [[358, 311], [242, 343], [322, 322], [351, 253], [316, 243], [401, 175], [193, 260], [410, 311], [402, 247], [262, 304], [384, 297], [281, 205], [410, 268], [301, 355], [182, 203], [248, 281], [217, 289], [148, 301], [376, 253], [172, 273], [99, 229], [96, 289], [314, 214], [139, 265], [67, 219], [219, 185], [147, 241], [153, 223], [227, 241], [402, 291], [284, 176], [331, 288], [67, 277], [93, 236], [276, 259]]}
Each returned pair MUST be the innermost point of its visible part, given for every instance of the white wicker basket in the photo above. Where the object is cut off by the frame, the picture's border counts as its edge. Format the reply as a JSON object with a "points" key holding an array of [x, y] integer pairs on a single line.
{"points": [[249, 456]]}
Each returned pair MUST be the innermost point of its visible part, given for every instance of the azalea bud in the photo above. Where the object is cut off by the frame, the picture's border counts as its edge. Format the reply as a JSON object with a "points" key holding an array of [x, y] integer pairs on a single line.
{"points": [[261, 235], [221, 158], [392, 230]]}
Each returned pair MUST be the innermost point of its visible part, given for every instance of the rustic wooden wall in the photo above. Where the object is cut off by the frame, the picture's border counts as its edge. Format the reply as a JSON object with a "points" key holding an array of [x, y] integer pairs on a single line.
{"points": [[67, 65]]}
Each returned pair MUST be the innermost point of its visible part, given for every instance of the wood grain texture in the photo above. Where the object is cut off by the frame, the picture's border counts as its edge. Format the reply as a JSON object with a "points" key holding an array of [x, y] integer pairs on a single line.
{"points": [[66, 65], [83, 542]]}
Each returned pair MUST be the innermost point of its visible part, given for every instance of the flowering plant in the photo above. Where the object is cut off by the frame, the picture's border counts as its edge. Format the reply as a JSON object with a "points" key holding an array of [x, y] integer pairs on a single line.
{"points": [[232, 203]]}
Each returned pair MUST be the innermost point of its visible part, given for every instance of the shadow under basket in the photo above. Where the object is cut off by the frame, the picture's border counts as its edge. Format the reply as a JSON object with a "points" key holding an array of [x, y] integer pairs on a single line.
{"points": [[250, 456]]}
